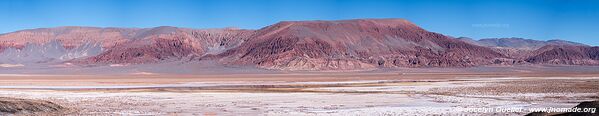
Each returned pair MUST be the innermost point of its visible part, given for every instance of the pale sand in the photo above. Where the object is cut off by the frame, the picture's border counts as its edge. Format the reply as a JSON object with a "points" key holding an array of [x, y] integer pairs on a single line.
{"points": [[302, 94]]}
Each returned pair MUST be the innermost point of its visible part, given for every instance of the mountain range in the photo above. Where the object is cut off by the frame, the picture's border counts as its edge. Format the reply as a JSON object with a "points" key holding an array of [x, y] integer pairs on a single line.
{"points": [[289, 45]]}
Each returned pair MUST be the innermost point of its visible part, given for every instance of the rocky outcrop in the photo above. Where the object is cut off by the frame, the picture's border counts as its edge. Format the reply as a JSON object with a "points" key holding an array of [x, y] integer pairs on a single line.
{"points": [[27, 106], [587, 104], [583, 105]]}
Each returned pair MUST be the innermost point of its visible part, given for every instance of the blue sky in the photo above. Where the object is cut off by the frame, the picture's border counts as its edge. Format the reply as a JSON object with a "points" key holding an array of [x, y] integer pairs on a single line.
{"points": [[574, 20]]}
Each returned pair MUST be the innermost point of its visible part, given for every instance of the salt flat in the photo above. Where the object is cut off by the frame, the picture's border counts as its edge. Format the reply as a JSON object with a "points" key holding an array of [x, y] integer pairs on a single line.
{"points": [[312, 94]]}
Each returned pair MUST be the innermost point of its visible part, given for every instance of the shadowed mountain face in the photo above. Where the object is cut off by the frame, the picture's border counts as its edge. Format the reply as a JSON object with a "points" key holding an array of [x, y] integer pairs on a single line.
{"points": [[172, 43], [289, 45]]}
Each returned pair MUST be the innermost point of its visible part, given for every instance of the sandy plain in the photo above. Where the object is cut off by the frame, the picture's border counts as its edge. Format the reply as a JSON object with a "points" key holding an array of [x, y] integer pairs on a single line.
{"points": [[306, 93]]}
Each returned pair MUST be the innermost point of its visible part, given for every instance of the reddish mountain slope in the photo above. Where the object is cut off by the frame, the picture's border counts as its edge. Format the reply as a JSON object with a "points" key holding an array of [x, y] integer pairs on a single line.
{"points": [[571, 55], [132, 45], [69, 36], [163, 43], [288, 45], [355, 44], [518, 48]]}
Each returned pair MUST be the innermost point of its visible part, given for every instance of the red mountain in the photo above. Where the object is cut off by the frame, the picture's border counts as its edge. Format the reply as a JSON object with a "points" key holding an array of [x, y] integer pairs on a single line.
{"points": [[355, 44], [288, 45], [571, 55], [163, 43]]}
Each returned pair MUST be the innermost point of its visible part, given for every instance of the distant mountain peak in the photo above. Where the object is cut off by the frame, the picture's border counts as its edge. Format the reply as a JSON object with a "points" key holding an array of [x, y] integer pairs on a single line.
{"points": [[522, 43]]}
